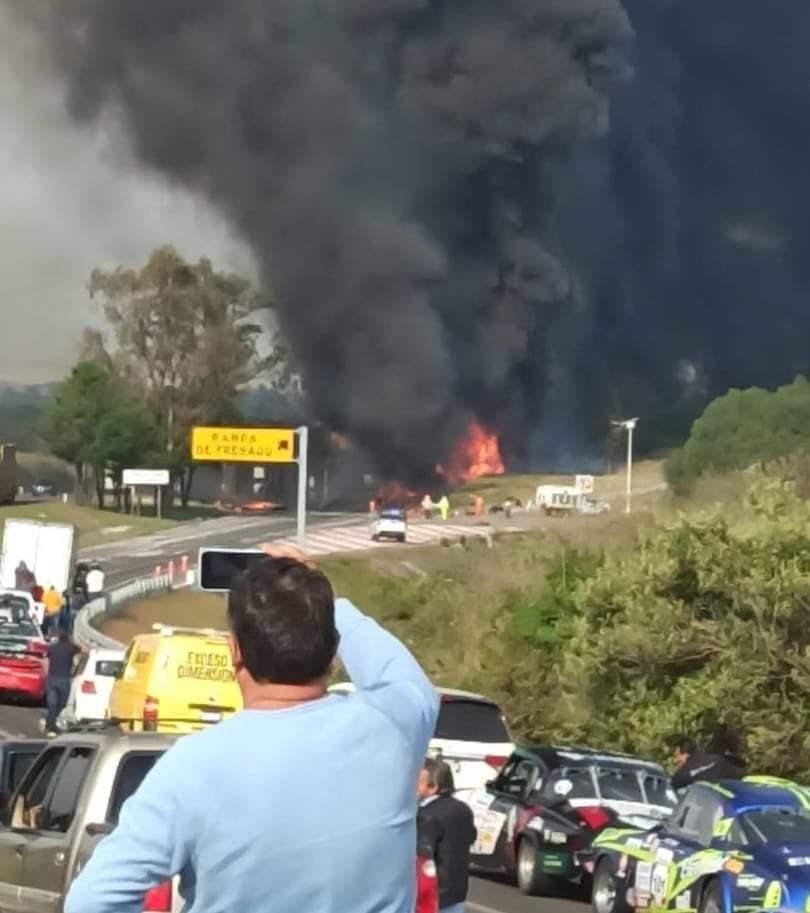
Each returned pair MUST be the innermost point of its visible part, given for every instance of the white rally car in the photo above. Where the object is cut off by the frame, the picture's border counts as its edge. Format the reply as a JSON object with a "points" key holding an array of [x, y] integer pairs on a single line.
{"points": [[390, 523]]}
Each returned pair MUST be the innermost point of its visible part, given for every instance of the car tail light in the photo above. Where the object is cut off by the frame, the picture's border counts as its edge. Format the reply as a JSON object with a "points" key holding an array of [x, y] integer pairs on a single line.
{"points": [[495, 761], [159, 900], [594, 816], [37, 648], [88, 687], [150, 714]]}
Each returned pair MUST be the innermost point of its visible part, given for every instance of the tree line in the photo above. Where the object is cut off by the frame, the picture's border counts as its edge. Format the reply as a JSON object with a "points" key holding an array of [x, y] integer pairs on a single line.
{"points": [[181, 341]]}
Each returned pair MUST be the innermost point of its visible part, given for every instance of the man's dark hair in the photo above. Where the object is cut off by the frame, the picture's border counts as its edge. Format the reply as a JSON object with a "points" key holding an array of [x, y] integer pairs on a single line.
{"points": [[683, 743], [282, 614], [440, 775], [726, 741]]}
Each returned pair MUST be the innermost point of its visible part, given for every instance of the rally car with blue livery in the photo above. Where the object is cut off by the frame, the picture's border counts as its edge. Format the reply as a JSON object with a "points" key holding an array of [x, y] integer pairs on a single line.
{"points": [[735, 846], [548, 802]]}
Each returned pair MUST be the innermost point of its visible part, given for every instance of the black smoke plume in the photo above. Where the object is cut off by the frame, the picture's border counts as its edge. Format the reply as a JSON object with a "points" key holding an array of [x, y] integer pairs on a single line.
{"points": [[537, 213]]}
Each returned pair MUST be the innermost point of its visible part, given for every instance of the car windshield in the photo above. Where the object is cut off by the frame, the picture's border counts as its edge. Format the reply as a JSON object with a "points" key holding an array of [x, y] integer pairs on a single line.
{"points": [[776, 825], [619, 785], [14, 618], [470, 721], [658, 791]]}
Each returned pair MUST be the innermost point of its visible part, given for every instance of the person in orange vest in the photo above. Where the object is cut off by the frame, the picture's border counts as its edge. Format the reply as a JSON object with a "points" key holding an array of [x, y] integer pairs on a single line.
{"points": [[52, 601]]}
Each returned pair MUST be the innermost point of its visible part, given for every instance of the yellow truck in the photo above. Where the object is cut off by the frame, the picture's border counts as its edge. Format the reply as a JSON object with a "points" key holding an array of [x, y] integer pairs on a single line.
{"points": [[8, 473]]}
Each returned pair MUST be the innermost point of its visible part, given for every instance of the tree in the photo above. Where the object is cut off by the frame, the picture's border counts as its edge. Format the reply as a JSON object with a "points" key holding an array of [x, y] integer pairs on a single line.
{"points": [[187, 338], [742, 428], [94, 421]]}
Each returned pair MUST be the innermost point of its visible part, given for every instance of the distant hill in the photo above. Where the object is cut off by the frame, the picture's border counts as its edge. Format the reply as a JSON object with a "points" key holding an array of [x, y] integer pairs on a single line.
{"points": [[22, 408]]}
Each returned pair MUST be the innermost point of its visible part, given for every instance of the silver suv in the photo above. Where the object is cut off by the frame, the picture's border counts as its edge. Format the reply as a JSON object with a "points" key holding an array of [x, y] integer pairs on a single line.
{"points": [[69, 799]]}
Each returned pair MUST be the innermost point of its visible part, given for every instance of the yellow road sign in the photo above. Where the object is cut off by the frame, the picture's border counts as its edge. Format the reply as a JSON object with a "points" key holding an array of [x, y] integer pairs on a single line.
{"points": [[242, 445]]}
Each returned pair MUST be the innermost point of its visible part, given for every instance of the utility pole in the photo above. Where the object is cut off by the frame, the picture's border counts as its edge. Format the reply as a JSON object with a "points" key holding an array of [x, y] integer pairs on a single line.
{"points": [[629, 425], [303, 483]]}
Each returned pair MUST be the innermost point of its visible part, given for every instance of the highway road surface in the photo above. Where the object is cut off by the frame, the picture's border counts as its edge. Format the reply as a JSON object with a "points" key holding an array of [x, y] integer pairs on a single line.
{"points": [[127, 559], [491, 895]]}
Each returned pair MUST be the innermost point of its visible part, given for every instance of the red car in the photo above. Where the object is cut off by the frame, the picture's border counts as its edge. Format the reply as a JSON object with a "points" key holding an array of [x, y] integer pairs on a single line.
{"points": [[23, 652]]}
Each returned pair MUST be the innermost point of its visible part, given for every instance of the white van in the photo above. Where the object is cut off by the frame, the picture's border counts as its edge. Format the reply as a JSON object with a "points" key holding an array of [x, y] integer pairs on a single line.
{"points": [[471, 735]]}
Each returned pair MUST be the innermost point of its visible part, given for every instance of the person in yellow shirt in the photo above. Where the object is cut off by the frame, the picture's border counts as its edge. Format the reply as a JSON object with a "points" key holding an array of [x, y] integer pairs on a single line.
{"points": [[52, 601]]}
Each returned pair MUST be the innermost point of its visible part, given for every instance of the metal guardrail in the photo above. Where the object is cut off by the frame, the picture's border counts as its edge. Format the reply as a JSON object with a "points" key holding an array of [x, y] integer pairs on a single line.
{"points": [[85, 632]]}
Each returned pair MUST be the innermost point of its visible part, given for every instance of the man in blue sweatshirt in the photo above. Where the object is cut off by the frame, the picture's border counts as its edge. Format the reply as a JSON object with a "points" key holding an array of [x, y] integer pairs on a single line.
{"points": [[301, 803]]}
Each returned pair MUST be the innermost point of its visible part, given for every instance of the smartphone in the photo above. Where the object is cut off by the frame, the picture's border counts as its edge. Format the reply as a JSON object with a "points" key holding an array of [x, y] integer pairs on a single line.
{"points": [[218, 567]]}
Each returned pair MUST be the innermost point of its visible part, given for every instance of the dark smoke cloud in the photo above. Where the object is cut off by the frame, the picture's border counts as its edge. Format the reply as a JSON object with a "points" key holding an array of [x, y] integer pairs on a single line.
{"points": [[536, 212]]}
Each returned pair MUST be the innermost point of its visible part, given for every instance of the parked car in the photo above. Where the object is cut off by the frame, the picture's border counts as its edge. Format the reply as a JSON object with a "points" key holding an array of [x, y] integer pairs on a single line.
{"points": [[471, 735], [736, 845], [23, 652], [68, 800], [43, 488], [92, 685], [22, 599], [548, 803], [390, 523], [16, 756]]}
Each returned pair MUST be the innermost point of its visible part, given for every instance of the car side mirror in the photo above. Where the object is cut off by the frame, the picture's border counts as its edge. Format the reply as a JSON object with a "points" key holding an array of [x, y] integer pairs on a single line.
{"points": [[99, 829]]}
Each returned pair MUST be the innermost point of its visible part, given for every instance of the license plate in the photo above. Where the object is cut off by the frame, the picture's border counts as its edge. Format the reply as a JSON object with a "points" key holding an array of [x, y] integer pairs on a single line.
{"points": [[207, 716]]}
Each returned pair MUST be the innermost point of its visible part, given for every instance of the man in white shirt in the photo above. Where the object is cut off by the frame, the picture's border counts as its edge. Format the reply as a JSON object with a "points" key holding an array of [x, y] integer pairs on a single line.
{"points": [[95, 580]]}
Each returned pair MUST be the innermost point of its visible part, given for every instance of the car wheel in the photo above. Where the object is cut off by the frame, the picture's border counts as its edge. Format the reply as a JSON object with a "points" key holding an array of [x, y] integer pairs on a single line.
{"points": [[711, 901], [606, 895], [530, 878]]}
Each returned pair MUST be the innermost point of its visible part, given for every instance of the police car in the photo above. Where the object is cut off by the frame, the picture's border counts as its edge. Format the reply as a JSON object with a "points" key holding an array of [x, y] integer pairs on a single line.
{"points": [[390, 523]]}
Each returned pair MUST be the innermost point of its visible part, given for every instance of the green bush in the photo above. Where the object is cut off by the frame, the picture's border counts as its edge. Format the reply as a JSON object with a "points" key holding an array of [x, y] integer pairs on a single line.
{"points": [[742, 428], [705, 622]]}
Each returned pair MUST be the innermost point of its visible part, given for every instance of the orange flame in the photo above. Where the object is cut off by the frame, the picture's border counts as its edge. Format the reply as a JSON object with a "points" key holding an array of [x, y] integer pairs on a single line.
{"points": [[478, 454]]}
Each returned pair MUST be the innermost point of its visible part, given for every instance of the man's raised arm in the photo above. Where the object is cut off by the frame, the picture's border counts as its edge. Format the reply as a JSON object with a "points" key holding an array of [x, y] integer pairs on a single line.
{"points": [[386, 673]]}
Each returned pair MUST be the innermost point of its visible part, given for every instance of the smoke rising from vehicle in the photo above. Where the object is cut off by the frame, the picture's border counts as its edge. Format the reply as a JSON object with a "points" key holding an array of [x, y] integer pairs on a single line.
{"points": [[533, 213]]}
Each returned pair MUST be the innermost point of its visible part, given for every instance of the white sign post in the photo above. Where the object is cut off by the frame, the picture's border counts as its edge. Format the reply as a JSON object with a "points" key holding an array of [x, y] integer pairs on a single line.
{"points": [[584, 485], [148, 478]]}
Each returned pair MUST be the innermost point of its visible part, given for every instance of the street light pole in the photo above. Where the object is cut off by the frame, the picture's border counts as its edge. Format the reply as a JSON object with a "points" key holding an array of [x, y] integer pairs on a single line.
{"points": [[629, 425]]}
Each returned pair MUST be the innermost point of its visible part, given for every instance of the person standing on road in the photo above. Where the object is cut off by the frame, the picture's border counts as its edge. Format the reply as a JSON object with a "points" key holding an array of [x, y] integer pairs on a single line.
{"points": [[95, 581], [52, 603], [444, 507], [450, 823], [61, 654], [320, 817]]}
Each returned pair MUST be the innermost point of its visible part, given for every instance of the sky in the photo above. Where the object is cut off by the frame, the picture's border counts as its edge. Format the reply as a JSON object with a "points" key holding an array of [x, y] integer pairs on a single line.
{"points": [[71, 199]]}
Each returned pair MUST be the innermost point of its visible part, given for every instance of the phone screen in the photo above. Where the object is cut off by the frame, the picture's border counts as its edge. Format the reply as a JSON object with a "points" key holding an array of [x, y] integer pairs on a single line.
{"points": [[219, 567]]}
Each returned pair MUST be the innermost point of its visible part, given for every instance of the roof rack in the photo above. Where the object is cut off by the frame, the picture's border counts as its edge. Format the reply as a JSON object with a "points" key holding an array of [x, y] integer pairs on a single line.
{"points": [[179, 629]]}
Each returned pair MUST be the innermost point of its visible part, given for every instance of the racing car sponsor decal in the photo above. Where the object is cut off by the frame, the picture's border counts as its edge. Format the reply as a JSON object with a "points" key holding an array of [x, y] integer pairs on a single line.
{"points": [[658, 883], [489, 827], [535, 824], [723, 826], [662, 854], [643, 879], [773, 896], [735, 866], [798, 860], [750, 882], [683, 901], [555, 837]]}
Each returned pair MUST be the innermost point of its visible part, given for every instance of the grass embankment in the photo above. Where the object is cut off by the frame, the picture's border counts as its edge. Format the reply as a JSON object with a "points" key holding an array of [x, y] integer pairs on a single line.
{"points": [[94, 526], [648, 476]]}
